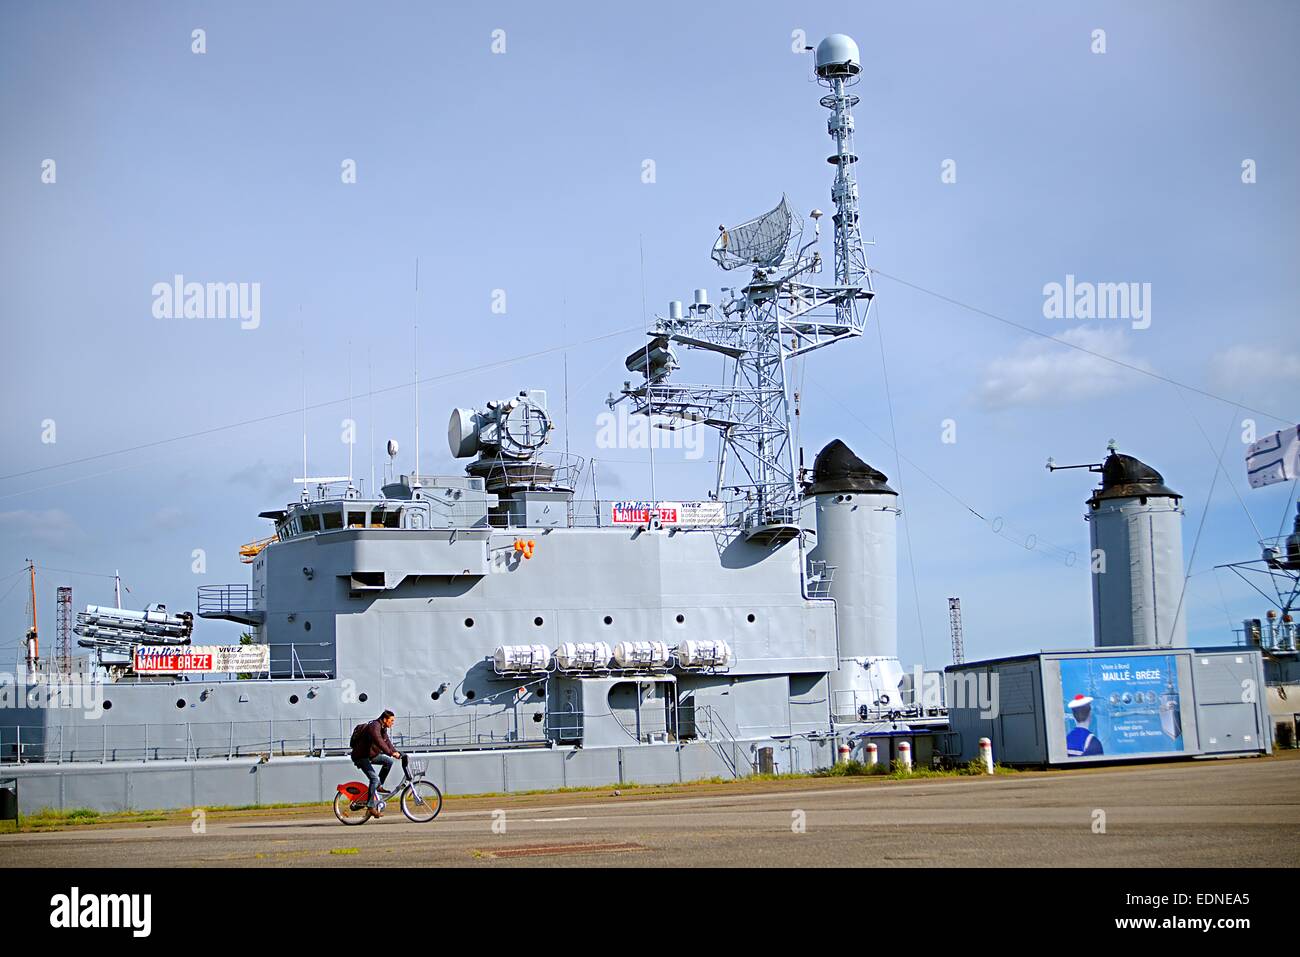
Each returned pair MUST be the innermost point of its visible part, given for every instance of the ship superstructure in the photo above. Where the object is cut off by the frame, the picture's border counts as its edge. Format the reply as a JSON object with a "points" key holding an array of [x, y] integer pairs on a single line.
{"points": [[493, 610]]}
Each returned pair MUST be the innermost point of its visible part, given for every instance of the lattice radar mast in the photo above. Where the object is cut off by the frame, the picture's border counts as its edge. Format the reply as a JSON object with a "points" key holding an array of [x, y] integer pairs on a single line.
{"points": [[777, 316]]}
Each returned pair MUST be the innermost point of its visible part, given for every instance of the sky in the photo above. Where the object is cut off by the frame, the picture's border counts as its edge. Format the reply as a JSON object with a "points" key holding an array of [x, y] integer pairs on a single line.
{"points": [[504, 146]]}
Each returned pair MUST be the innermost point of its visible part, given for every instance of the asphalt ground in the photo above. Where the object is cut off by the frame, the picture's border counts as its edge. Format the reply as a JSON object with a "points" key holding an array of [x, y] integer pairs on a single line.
{"points": [[1230, 813]]}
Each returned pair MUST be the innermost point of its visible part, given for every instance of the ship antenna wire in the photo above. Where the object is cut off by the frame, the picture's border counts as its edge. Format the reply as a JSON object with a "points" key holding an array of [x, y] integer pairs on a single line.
{"points": [[1286, 509], [415, 359], [370, 378], [1214, 479], [898, 464], [302, 360], [1218, 455], [564, 334], [352, 439], [650, 408]]}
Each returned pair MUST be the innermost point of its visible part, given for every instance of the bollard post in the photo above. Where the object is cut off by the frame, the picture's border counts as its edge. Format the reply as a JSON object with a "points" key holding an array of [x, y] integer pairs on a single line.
{"points": [[986, 754], [905, 755], [842, 753], [873, 754]]}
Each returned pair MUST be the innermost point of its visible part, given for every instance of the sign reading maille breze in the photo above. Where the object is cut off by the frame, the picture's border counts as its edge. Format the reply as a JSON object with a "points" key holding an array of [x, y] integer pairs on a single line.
{"points": [[202, 658], [640, 513], [669, 513]]}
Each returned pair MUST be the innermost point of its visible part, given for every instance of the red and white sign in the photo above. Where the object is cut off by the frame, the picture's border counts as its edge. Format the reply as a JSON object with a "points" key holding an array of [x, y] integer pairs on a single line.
{"points": [[640, 513], [194, 659], [678, 514]]}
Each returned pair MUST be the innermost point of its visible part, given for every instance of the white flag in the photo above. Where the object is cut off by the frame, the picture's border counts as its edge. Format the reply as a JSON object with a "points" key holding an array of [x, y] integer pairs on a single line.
{"points": [[1274, 458]]}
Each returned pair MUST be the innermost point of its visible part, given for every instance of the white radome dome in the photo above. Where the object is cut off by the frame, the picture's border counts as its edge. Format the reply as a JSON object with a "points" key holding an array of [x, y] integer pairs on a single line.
{"points": [[838, 55]]}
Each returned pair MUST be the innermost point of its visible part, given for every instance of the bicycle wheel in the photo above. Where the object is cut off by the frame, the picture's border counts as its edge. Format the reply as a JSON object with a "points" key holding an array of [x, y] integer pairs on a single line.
{"points": [[421, 802], [344, 811]]}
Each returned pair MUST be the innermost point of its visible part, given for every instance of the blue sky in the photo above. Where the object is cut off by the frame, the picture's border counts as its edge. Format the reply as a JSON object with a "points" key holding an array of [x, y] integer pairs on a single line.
{"points": [[521, 171]]}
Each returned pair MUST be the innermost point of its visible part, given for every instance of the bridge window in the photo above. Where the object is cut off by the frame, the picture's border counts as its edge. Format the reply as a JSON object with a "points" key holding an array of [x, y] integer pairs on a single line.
{"points": [[356, 519], [311, 523], [393, 519], [333, 520]]}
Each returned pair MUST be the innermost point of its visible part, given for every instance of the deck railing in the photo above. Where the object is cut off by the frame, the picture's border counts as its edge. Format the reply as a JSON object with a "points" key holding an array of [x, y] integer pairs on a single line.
{"points": [[192, 741]]}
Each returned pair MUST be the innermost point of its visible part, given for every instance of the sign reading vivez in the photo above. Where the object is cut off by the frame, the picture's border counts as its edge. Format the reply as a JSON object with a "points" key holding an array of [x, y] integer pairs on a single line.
{"points": [[190, 659]]}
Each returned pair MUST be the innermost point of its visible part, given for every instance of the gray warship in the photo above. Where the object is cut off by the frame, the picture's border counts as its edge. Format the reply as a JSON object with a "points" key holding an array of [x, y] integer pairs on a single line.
{"points": [[523, 637], [529, 639]]}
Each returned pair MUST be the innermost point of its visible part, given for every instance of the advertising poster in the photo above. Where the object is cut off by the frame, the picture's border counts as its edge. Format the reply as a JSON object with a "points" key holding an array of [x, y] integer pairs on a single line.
{"points": [[1120, 705], [197, 659], [679, 514]]}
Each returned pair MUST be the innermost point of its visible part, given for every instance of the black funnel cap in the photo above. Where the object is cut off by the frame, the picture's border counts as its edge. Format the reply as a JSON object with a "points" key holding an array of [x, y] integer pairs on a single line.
{"points": [[837, 469], [1123, 476]]}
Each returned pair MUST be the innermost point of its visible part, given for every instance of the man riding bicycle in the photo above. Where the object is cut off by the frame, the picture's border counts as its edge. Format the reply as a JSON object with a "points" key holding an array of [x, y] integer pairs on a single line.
{"points": [[371, 746]]}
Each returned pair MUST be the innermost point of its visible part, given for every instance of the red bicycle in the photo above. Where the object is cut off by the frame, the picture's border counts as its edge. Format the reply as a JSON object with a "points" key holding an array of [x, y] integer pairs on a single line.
{"points": [[418, 797]]}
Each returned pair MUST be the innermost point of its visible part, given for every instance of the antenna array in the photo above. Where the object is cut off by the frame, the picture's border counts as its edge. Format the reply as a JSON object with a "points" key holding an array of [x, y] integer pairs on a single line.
{"points": [[776, 317]]}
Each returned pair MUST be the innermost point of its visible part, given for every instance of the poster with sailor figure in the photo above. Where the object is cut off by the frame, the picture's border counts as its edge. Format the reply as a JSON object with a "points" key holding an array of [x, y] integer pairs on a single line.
{"points": [[1121, 705]]}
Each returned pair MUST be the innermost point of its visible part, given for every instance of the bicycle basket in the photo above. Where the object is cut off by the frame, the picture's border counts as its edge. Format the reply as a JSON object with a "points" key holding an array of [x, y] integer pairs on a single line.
{"points": [[419, 767]]}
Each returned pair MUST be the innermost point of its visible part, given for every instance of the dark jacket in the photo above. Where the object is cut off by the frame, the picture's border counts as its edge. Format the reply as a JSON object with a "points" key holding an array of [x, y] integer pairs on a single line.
{"points": [[374, 741]]}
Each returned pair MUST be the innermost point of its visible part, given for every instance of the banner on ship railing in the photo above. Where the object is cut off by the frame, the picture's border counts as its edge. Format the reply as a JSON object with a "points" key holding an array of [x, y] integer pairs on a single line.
{"points": [[679, 514], [191, 659]]}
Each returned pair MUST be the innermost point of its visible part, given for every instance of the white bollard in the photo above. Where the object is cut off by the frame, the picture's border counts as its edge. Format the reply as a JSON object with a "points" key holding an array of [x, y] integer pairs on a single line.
{"points": [[873, 754], [905, 754], [986, 754], [843, 752]]}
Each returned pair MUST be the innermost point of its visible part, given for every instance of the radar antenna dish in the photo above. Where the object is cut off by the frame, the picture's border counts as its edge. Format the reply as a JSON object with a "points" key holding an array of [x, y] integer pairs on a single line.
{"points": [[759, 242]]}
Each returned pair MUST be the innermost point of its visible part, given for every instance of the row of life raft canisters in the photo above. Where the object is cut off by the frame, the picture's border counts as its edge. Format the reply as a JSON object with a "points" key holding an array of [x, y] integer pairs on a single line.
{"points": [[579, 656]]}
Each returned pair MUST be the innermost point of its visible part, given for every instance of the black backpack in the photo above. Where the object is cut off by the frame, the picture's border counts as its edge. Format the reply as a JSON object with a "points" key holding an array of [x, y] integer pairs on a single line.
{"points": [[359, 735]]}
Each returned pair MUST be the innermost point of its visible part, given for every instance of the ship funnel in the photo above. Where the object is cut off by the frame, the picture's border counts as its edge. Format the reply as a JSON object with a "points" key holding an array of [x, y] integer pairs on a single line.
{"points": [[1136, 562], [1135, 523], [857, 534]]}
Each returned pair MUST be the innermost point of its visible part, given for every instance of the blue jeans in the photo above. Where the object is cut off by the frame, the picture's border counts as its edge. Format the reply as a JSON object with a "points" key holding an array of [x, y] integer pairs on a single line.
{"points": [[376, 778]]}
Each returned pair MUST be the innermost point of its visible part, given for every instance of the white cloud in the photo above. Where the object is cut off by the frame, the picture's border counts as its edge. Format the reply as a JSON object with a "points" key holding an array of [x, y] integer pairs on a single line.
{"points": [[1254, 373], [1043, 373], [51, 528]]}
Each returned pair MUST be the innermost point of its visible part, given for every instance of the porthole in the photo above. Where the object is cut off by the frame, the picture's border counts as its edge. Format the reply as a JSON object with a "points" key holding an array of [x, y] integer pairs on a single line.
{"points": [[363, 697], [436, 695], [470, 695], [541, 693], [180, 702], [108, 706], [680, 619], [538, 621], [306, 626], [609, 619], [293, 699], [537, 717], [469, 622], [750, 618]]}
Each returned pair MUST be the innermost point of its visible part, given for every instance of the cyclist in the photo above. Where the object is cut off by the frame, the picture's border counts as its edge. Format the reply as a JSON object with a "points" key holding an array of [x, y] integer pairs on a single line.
{"points": [[371, 746]]}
